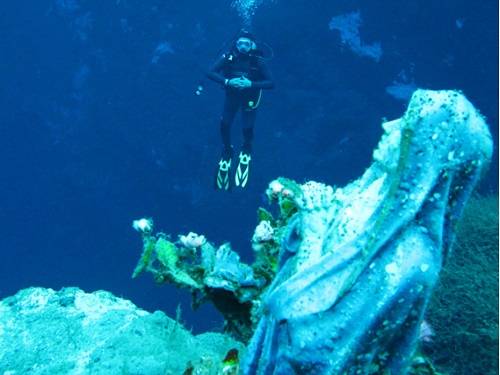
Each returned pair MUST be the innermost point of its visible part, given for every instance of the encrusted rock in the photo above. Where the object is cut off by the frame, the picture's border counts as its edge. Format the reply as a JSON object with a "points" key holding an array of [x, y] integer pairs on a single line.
{"points": [[43, 331]]}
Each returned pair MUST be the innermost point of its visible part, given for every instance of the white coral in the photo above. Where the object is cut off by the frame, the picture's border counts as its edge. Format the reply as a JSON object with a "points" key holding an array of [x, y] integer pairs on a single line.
{"points": [[143, 225], [275, 187], [263, 232], [192, 240]]}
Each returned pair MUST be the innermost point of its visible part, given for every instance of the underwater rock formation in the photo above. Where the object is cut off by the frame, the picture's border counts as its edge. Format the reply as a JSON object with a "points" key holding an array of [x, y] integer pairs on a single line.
{"points": [[43, 331], [358, 264]]}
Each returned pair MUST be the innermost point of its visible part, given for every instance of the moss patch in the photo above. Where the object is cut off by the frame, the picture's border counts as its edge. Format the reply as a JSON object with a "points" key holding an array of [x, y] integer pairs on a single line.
{"points": [[464, 307]]}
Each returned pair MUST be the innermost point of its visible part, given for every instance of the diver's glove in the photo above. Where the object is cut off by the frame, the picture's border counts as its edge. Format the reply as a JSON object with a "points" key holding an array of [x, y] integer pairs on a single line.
{"points": [[240, 83]]}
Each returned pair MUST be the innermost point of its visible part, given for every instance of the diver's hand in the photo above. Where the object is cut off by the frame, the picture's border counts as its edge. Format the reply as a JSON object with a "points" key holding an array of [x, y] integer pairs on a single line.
{"points": [[244, 83], [232, 82], [240, 83]]}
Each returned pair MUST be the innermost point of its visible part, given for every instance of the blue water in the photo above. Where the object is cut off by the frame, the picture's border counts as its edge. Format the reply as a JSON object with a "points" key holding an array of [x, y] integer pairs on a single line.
{"points": [[100, 124]]}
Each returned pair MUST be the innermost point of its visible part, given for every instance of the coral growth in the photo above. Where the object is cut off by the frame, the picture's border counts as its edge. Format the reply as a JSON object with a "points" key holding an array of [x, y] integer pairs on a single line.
{"points": [[216, 274], [210, 274]]}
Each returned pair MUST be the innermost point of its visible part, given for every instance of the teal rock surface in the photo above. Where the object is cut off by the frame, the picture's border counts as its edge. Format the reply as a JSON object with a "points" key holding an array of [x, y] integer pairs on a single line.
{"points": [[43, 331]]}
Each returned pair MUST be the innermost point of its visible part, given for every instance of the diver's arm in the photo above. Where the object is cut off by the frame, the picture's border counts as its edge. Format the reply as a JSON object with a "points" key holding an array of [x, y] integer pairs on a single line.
{"points": [[266, 82], [215, 72]]}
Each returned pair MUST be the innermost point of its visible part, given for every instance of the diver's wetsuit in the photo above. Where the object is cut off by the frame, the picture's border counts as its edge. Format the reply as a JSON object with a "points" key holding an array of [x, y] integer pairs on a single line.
{"points": [[234, 65]]}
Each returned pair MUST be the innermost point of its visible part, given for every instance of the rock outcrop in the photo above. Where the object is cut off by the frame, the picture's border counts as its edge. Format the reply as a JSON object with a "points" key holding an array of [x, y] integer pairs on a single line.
{"points": [[43, 331]]}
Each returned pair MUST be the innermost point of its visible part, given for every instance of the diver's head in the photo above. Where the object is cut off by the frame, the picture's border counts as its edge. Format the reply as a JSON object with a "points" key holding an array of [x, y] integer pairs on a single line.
{"points": [[245, 43]]}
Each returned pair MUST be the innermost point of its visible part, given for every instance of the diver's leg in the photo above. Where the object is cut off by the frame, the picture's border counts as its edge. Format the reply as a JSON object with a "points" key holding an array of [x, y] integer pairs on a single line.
{"points": [[231, 105], [248, 117]]}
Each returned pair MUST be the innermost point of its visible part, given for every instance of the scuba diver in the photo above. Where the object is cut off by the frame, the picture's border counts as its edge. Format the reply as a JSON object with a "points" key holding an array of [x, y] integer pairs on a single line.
{"points": [[243, 75]]}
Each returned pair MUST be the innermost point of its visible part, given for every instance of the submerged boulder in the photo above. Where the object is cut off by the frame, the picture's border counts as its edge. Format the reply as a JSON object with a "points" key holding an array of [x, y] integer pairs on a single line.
{"points": [[43, 331]]}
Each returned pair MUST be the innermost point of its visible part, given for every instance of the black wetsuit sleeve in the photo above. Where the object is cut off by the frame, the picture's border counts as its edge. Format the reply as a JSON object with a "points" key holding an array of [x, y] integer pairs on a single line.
{"points": [[215, 73], [266, 80]]}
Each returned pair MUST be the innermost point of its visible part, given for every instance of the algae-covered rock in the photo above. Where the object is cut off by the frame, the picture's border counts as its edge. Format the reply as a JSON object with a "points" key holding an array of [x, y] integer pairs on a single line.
{"points": [[43, 331]]}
